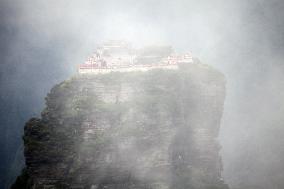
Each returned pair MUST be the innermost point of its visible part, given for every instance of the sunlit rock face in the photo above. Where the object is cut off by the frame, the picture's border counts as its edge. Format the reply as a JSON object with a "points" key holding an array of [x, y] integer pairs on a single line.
{"points": [[139, 130]]}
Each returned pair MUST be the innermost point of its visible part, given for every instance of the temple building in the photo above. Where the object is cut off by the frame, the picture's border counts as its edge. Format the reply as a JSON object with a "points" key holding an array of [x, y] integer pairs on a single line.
{"points": [[121, 57]]}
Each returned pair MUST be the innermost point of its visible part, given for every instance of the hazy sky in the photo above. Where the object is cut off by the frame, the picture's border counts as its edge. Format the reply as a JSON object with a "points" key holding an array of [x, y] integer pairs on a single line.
{"points": [[43, 41]]}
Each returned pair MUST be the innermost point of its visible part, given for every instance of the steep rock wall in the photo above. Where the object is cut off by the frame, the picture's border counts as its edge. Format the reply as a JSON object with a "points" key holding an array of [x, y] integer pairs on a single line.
{"points": [[142, 130]]}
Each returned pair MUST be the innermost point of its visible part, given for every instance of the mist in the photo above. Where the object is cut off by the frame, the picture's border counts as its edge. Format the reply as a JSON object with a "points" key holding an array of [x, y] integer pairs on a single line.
{"points": [[42, 42]]}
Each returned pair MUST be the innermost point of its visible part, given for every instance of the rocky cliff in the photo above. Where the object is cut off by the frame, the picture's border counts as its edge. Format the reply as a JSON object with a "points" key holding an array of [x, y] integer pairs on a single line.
{"points": [[138, 130]]}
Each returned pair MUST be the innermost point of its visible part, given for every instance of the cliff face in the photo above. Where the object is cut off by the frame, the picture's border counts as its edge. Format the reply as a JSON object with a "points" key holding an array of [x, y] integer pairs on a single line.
{"points": [[139, 130]]}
